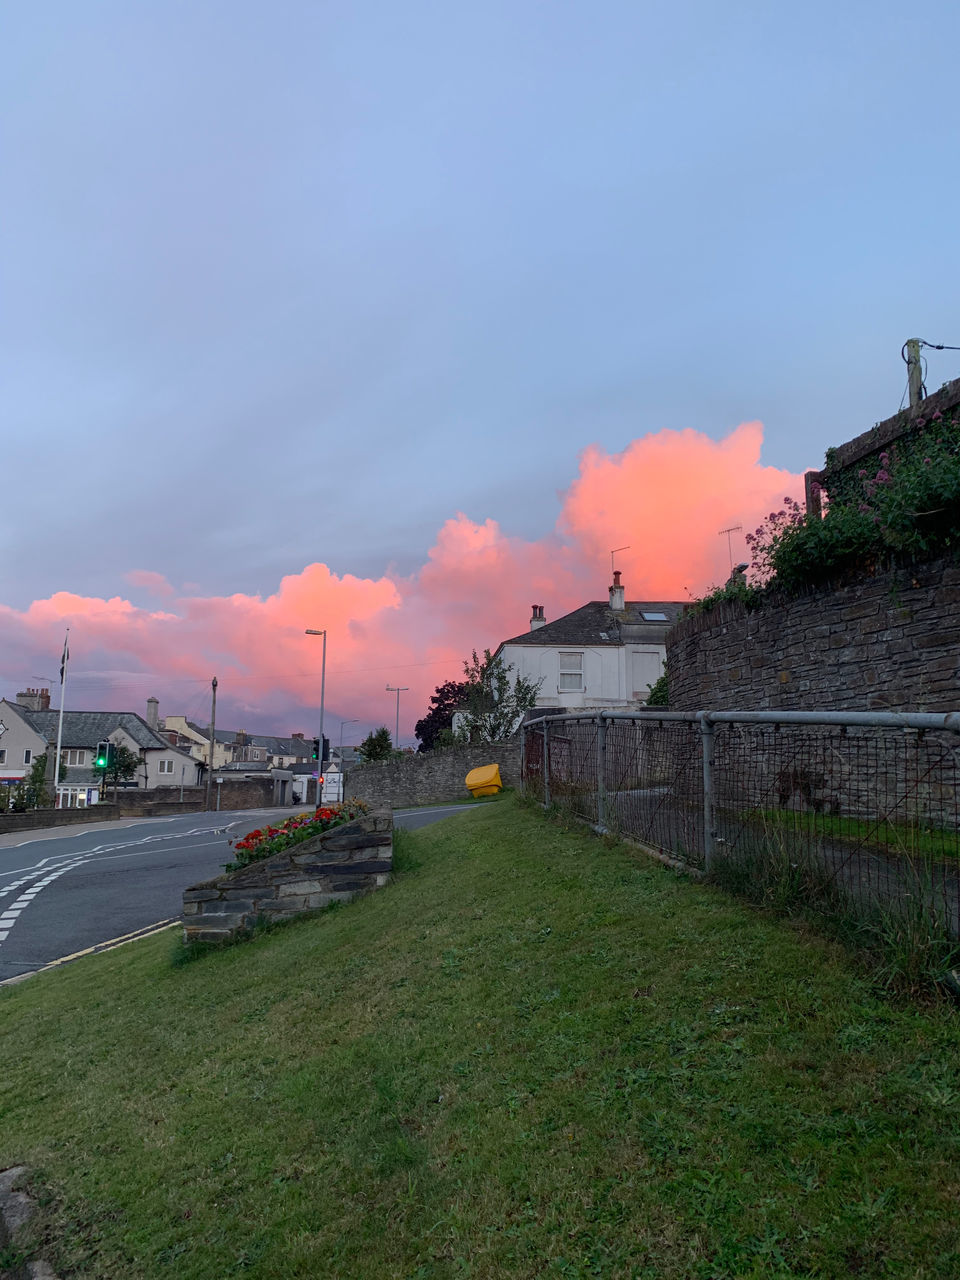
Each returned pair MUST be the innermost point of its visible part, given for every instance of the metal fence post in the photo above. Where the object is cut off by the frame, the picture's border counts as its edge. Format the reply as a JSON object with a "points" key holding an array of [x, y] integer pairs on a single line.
{"points": [[523, 757], [709, 824], [601, 772], [546, 764]]}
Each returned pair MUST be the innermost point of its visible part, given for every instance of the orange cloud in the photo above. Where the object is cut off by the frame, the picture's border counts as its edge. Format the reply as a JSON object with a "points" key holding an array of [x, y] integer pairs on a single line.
{"points": [[667, 495]]}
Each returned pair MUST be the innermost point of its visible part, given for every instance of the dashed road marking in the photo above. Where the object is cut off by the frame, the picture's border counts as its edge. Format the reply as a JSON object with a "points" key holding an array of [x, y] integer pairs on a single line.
{"points": [[49, 869]]}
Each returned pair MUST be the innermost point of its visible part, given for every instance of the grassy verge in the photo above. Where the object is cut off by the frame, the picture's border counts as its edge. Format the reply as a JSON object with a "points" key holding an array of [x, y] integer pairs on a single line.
{"points": [[913, 840], [534, 1054]]}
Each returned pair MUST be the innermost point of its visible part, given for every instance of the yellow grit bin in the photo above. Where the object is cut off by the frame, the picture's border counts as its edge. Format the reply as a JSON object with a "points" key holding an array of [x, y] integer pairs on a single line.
{"points": [[484, 781]]}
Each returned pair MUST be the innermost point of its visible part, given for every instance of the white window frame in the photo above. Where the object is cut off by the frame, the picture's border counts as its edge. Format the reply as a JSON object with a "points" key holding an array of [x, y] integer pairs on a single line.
{"points": [[27, 756], [570, 673], [74, 757], [3, 755], [165, 766]]}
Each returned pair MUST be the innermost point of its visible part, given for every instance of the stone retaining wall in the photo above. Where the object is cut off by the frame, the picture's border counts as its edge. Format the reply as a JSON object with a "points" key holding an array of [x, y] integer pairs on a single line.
{"points": [[334, 866], [888, 641], [430, 777]]}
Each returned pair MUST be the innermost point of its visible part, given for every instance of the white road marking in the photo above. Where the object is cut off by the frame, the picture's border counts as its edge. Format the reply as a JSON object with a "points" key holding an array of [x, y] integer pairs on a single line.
{"points": [[147, 931], [49, 869]]}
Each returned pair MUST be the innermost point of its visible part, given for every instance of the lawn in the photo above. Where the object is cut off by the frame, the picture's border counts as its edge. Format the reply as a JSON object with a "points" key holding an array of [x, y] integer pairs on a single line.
{"points": [[534, 1054]]}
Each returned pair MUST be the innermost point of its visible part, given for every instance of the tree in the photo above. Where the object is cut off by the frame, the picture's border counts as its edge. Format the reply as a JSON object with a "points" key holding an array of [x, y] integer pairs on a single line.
{"points": [[447, 698], [377, 745], [31, 791], [495, 700], [123, 765], [659, 695]]}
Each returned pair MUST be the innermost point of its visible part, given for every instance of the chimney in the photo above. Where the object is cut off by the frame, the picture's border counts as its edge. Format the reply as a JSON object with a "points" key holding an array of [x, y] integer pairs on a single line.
{"points": [[153, 718], [297, 735], [616, 593], [537, 620], [34, 699]]}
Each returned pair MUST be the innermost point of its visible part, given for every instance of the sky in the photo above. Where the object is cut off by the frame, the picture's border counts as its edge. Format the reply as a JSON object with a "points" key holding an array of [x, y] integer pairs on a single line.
{"points": [[396, 318]]}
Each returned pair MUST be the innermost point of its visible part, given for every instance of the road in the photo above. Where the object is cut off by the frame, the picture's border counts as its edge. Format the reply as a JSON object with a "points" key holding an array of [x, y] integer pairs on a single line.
{"points": [[69, 891]]}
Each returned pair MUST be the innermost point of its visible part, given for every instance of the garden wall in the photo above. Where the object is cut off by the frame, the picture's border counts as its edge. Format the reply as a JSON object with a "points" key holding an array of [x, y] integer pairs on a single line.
{"points": [[431, 777], [887, 641], [244, 793], [333, 866]]}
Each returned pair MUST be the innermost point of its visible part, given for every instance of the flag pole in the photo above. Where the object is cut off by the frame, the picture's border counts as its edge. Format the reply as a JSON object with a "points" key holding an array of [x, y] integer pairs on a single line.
{"points": [[63, 690]]}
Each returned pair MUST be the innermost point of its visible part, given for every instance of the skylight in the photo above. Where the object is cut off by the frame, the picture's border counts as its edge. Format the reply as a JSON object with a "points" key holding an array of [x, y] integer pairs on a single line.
{"points": [[655, 617]]}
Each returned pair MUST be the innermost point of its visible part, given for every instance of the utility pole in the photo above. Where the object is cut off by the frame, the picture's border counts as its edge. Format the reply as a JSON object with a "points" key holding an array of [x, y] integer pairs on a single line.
{"points": [[404, 688], [213, 732], [914, 371]]}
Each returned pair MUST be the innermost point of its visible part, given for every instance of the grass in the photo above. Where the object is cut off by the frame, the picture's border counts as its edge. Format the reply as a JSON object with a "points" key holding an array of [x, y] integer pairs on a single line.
{"points": [[890, 837], [535, 1054]]}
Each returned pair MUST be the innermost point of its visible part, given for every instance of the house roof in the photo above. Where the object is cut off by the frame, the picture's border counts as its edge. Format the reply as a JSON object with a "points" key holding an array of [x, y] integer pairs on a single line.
{"points": [[276, 746], [85, 729], [597, 624]]}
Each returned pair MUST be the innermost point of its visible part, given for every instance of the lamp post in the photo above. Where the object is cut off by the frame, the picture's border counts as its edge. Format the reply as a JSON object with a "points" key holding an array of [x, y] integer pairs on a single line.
{"points": [[323, 687], [397, 689]]}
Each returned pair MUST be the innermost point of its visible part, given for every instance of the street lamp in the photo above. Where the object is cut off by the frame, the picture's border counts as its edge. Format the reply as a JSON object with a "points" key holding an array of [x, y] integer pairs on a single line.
{"points": [[397, 689], [323, 688]]}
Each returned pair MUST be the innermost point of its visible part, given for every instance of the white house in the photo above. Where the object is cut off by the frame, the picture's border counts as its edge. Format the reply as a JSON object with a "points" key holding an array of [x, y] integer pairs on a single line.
{"points": [[31, 728], [20, 743], [604, 655]]}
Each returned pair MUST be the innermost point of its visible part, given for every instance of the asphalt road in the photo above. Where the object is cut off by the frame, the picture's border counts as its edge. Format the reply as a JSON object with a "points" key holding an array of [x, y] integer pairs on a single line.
{"points": [[69, 891]]}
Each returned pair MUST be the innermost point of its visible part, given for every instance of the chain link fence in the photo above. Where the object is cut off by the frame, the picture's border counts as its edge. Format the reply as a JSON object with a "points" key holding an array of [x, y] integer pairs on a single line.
{"points": [[857, 809]]}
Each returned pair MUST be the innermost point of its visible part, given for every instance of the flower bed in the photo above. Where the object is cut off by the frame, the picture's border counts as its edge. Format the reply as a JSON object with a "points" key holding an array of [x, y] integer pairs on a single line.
{"points": [[266, 841]]}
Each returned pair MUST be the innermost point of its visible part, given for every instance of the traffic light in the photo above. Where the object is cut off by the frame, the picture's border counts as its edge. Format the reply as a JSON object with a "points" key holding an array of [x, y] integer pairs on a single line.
{"points": [[103, 754], [316, 749]]}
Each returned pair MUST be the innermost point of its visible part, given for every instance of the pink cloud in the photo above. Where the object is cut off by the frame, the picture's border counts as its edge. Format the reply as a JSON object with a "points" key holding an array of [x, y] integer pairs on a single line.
{"points": [[155, 583], [666, 495]]}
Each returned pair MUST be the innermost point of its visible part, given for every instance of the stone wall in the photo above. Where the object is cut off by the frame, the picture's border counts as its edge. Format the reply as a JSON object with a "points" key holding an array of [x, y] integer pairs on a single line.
{"points": [[430, 777], [890, 641], [244, 793], [334, 866]]}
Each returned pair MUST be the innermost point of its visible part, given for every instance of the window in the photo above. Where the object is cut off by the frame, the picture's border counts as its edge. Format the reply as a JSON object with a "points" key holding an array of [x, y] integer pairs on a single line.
{"points": [[74, 757], [3, 756], [27, 755], [571, 673], [166, 766], [655, 617]]}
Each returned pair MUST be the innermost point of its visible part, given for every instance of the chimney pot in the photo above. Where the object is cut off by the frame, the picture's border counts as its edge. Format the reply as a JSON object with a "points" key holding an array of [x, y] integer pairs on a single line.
{"points": [[537, 620]]}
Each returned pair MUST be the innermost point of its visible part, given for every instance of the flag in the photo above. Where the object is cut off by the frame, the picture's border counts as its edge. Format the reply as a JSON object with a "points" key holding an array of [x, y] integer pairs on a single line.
{"points": [[65, 659]]}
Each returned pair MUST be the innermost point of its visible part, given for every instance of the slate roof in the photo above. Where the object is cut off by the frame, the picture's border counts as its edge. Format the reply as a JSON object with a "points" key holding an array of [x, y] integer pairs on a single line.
{"points": [[276, 746], [596, 624], [84, 729]]}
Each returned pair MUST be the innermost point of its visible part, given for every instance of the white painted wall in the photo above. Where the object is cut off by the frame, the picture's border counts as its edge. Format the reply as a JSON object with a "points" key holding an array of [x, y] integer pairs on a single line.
{"points": [[17, 737], [612, 675]]}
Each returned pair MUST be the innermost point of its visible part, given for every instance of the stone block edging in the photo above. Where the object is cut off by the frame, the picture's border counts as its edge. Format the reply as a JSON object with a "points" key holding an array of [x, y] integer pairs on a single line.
{"points": [[334, 866]]}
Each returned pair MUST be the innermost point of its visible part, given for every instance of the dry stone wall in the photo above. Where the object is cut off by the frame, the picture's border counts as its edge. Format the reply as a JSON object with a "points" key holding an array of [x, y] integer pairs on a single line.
{"points": [[334, 866], [889, 641], [432, 777]]}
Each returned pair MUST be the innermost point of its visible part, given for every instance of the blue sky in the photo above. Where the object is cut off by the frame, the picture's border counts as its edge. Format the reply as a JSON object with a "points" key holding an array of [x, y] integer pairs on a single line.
{"points": [[298, 281]]}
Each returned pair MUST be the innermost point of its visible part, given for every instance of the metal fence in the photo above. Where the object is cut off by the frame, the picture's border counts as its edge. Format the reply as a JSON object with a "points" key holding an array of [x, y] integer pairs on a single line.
{"points": [[862, 806]]}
